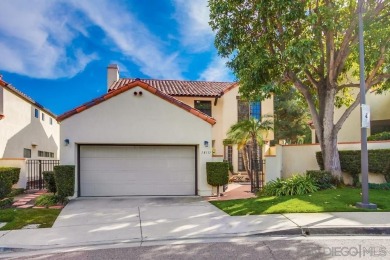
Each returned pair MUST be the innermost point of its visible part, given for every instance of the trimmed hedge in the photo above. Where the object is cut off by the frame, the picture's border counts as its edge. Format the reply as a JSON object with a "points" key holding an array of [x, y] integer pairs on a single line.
{"points": [[378, 162], [379, 186], [64, 176], [50, 182], [8, 177], [379, 136], [322, 179], [217, 173]]}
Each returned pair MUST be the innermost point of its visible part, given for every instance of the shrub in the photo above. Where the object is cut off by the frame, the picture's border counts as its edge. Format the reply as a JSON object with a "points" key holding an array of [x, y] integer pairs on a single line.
{"points": [[378, 162], [217, 174], [6, 203], [15, 192], [8, 176], [50, 182], [12, 172], [379, 186], [322, 179], [64, 178], [379, 136], [295, 185], [48, 200]]}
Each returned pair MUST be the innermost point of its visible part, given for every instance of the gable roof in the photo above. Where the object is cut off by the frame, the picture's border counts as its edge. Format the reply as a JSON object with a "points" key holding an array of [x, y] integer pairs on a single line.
{"points": [[182, 87], [23, 96], [145, 86]]}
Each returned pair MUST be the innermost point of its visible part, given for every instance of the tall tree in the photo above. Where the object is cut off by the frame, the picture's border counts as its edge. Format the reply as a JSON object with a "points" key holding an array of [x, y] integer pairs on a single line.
{"points": [[251, 131], [291, 118], [313, 45]]}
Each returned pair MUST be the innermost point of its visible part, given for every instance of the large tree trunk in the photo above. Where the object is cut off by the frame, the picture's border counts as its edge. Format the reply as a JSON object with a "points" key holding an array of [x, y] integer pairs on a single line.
{"points": [[330, 156], [328, 140]]}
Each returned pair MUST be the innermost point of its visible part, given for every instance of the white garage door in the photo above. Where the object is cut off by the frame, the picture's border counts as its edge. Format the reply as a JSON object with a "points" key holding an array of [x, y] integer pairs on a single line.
{"points": [[137, 170]]}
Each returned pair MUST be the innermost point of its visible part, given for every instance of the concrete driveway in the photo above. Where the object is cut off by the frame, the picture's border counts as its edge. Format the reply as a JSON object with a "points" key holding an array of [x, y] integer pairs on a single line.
{"points": [[156, 218], [138, 218]]}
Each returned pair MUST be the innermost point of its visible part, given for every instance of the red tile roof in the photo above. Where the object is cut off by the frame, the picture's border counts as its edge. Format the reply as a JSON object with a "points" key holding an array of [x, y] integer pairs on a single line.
{"points": [[147, 87], [182, 87], [23, 96]]}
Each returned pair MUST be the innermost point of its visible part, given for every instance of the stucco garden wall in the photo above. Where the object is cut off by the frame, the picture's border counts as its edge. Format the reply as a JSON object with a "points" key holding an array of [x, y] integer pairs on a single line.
{"points": [[296, 159]]}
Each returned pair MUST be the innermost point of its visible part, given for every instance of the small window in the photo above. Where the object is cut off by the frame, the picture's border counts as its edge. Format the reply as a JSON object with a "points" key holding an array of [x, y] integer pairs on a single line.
{"points": [[36, 113], [379, 126], [51, 120], [230, 154], [41, 154], [43, 117], [51, 155], [47, 154], [203, 106], [26, 153], [241, 166]]}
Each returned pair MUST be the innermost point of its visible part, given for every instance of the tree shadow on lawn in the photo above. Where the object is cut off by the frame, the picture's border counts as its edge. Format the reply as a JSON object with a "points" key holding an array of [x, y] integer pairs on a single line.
{"points": [[332, 200]]}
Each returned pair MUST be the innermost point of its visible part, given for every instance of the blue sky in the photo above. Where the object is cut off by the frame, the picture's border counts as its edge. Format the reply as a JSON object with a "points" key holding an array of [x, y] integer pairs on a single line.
{"points": [[57, 51]]}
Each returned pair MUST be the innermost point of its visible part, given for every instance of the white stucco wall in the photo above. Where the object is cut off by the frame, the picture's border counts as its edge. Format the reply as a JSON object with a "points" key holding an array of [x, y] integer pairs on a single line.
{"points": [[296, 159], [19, 129], [146, 119]]}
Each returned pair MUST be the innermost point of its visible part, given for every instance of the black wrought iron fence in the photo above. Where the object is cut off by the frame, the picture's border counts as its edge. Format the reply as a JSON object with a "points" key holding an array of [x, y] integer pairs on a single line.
{"points": [[34, 172]]}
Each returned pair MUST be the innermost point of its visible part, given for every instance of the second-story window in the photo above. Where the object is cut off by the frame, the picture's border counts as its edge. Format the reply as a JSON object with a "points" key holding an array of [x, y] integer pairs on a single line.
{"points": [[43, 117], [51, 120], [255, 110], [203, 106], [36, 113]]}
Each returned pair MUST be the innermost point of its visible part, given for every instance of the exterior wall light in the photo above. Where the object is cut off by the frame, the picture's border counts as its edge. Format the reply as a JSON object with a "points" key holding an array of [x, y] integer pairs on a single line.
{"points": [[206, 144], [66, 141]]}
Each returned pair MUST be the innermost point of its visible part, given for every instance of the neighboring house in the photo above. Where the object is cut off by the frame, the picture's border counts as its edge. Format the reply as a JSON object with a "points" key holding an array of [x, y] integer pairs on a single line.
{"points": [[152, 137], [219, 100], [27, 130], [379, 119]]}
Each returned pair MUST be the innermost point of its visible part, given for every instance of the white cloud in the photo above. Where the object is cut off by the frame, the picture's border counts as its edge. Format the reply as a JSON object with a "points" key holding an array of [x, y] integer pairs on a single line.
{"points": [[34, 36], [193, 18], [131, 38], [217, 71]]}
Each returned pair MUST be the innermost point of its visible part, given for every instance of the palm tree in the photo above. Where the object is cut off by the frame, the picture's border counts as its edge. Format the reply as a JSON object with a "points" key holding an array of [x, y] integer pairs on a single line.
{"points": [[250, 131]]}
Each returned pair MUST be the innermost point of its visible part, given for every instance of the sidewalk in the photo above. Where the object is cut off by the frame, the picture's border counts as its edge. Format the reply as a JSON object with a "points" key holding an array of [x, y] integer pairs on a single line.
{"points": [[188, 218], [215, 226]]}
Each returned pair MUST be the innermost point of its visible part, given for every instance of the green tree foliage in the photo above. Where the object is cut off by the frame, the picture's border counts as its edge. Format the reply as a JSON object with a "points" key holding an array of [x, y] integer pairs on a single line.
{"points": [[310, 44], [291, 118]]}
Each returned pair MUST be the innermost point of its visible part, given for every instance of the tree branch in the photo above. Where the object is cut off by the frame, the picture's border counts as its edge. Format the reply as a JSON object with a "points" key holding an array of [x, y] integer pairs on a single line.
{"points": [[375, 70], [311, 78], [346, 114], [309, 99]]}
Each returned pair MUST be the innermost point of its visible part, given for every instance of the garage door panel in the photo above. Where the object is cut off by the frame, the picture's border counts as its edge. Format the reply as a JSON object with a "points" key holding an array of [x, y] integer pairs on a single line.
{"points": [[137, 170]]}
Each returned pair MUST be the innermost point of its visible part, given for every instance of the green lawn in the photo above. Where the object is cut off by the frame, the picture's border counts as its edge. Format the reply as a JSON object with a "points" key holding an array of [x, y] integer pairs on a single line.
{"points": [[18, 218], [333, 200]]}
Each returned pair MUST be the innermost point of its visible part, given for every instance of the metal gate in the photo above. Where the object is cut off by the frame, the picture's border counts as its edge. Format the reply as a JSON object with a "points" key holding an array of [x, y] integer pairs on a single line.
{"points": [[257, 181], [34, 172]]}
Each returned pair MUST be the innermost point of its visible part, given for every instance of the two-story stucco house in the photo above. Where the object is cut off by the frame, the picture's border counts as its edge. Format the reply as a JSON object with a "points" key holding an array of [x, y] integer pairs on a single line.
{"points": [[219, 100], [27, 130], [152, 137]]}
